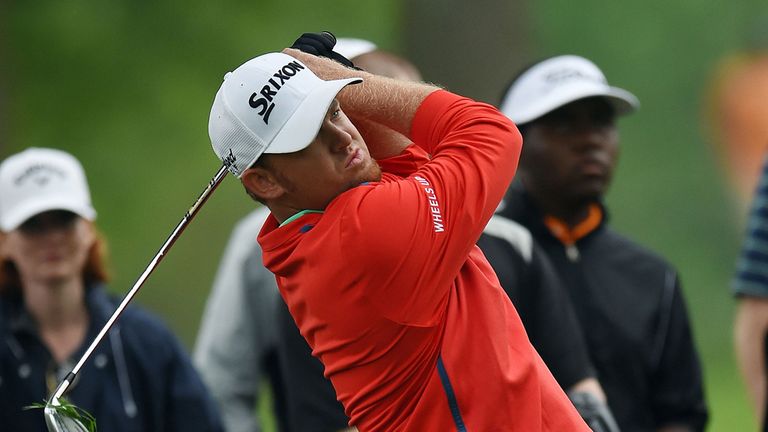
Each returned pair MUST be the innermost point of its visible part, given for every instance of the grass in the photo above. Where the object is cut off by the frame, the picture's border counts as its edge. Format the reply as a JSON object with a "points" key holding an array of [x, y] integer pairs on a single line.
{"points": [[70, 414]]}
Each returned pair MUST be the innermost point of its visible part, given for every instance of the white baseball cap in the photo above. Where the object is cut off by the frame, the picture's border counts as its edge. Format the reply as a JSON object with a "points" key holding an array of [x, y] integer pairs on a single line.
{"points": [[38, 180], [270, 104], [558, 81], [353, 47]]}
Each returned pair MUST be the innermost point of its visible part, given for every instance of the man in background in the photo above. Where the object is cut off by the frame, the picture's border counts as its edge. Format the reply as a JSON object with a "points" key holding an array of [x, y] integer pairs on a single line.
{"points": [[627, 299], [750, 285], [236, 348], [737, 119]]}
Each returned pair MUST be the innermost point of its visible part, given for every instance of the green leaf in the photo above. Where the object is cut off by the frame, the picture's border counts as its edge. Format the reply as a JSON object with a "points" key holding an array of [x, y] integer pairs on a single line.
{"points": [[69, 410]]}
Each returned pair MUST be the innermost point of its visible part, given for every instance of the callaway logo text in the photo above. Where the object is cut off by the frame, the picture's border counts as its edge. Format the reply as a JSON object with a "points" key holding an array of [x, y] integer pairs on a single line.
{"points": [[263, 99], [561, 76], [434, 206], [40, 174]]}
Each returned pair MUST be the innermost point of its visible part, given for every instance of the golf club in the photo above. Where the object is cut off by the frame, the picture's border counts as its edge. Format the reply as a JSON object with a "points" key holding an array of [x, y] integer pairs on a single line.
{"points": [[54, 418]]}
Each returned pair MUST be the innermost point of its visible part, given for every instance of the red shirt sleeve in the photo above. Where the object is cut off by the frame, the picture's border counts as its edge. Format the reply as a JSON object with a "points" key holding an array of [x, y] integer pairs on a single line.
{"points": [[420, 229], [405, 163]]}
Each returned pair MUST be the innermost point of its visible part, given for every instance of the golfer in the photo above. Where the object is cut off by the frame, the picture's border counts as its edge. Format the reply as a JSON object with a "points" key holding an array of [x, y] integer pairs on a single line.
{"points": [[374, 247]]}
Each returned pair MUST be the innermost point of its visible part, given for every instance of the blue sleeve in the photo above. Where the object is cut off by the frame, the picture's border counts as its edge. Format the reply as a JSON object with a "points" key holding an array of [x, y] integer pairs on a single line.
{"points": [[751, 276]]}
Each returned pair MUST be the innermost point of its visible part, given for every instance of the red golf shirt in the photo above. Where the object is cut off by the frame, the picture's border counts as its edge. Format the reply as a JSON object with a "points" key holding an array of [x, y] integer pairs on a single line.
{"points": [[402, 308]]}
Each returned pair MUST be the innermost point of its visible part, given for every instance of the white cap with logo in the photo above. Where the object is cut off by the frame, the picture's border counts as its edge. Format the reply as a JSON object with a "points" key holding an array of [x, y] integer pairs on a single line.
{"points": [[270, 104], [558, 81], [38, 180]]}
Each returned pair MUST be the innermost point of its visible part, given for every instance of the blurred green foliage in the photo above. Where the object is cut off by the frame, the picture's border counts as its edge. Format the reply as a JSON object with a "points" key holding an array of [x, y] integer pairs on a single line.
{"points": [[127, 86]]}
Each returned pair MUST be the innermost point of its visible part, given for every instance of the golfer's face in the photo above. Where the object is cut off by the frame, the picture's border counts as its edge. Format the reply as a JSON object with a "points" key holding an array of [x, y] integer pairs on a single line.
{"points": [[336, 160], [50, 247]]}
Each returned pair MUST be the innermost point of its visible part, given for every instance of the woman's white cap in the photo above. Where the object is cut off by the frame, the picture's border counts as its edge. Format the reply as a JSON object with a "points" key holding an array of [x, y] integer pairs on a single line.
{"points": [[39, 180]]}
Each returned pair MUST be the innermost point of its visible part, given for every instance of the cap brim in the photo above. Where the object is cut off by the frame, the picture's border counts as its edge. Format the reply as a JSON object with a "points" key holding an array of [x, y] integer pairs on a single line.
{"points": [[34, 207], [623, 101], [352, 47], [302, 127]]}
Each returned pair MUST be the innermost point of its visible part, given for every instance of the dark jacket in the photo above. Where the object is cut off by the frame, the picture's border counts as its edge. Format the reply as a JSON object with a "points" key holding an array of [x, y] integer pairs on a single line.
{"points": [[137, 379], [632, 312], [539, 297]]}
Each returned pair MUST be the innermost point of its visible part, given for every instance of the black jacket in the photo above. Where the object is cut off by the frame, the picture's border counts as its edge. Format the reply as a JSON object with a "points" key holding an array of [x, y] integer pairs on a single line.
{"points": [[138, 378], [633, 316], [539, 297]]}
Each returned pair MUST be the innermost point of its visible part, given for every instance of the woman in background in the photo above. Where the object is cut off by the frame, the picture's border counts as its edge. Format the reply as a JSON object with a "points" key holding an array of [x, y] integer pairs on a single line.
{"points": [[53, 303]]}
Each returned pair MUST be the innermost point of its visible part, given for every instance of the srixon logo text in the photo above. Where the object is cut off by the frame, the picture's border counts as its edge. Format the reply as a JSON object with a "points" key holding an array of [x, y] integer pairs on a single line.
{"points": [[262, 100]]}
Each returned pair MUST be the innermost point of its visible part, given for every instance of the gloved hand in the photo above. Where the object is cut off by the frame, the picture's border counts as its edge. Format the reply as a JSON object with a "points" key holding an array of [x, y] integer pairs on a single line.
{"points": [[594, 412], [321, 44]]}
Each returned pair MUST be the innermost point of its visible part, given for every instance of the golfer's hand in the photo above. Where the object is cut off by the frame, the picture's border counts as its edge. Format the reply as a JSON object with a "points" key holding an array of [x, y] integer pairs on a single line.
{"points": [[320, 44]]}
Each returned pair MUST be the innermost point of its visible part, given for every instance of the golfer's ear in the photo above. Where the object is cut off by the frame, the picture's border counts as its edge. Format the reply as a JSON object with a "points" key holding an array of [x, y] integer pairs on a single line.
{"points": [[262, 183]]}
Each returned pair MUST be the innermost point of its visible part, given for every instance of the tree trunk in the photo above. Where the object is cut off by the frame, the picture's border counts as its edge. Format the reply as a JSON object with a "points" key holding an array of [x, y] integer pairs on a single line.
{"points": [[472, 48]]}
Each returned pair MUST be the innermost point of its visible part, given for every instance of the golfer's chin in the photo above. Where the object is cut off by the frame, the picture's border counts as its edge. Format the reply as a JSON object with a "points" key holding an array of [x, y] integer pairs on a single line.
{"points": [[370, 173]]}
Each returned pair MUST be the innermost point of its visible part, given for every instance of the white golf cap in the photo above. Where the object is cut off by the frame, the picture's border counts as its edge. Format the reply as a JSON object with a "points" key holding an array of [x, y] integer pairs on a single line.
{"points": [[270, 104], [38, 180], [353, 47], [558, 81]]}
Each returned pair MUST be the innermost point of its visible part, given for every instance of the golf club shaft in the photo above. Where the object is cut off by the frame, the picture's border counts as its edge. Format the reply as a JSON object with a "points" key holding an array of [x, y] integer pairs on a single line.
{"points": [[214, 183]]}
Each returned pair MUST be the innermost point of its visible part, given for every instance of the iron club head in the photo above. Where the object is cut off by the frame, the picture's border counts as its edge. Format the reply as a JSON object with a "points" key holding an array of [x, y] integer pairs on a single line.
{"points": [[58, 421]]}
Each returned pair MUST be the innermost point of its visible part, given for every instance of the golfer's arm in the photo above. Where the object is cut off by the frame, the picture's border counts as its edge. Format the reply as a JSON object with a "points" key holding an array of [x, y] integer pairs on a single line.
{"points": [[750, 327], [389, 102], [382, 141], [383, 100]]}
